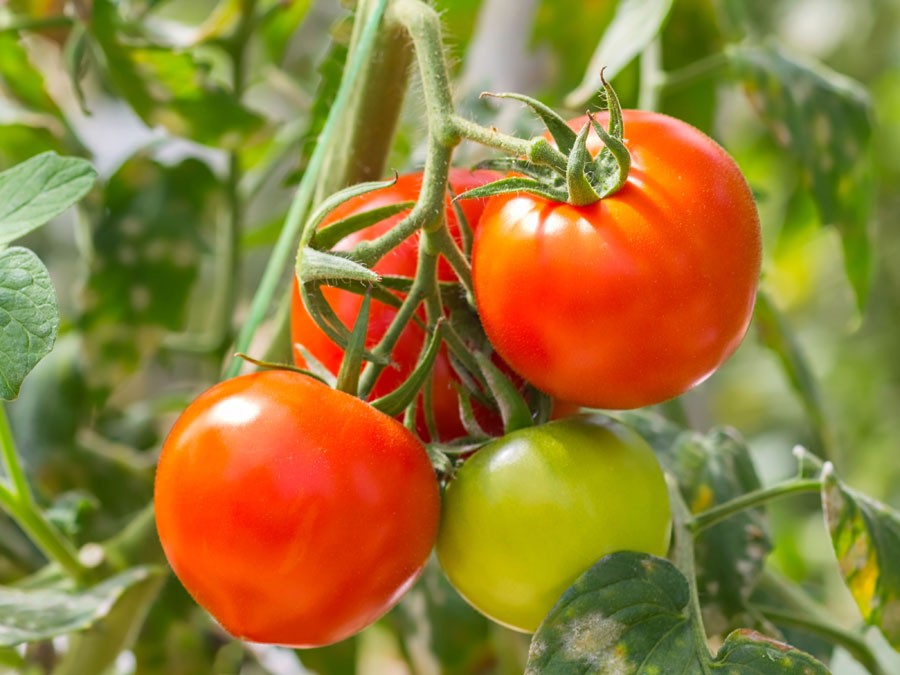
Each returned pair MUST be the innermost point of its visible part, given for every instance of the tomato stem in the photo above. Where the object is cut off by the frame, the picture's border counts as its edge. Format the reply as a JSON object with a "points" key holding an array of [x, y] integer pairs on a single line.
{"points": [[720, 512], [683, 557], [364, 131], [801, 611], [18, 501]]}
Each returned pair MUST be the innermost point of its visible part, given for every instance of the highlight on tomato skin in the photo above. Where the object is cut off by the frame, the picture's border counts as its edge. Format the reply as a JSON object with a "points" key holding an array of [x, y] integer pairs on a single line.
{"points": [[401, 261], [295, 514], [637, 298]]}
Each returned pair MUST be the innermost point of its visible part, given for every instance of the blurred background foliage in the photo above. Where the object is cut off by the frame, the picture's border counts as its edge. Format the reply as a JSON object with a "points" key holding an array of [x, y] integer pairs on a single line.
{"points": [[200, 135]]}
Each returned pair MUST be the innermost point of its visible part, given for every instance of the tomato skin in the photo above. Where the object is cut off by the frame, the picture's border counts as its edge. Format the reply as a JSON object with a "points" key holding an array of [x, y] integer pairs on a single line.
{"points": [[635, 299], [531, 511], [294, 513], [401, 261]]}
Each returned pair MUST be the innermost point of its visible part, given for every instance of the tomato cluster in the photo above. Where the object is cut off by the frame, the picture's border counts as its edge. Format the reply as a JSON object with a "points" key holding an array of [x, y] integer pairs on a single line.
{"points": [[297, 514], [401, 261]]}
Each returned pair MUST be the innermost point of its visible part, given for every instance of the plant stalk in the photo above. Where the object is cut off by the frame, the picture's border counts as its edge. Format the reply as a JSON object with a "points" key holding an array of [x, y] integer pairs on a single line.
{"points": [[720, 512]]}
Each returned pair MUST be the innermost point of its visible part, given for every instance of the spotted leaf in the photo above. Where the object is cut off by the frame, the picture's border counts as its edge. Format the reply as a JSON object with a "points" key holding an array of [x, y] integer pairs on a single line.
{"points": [[39, 614], [630, 613], [866, 539], [825, 120]]}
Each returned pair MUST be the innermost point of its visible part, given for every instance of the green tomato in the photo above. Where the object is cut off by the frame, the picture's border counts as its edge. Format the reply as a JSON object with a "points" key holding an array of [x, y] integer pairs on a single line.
{"points": [[531, 511]]}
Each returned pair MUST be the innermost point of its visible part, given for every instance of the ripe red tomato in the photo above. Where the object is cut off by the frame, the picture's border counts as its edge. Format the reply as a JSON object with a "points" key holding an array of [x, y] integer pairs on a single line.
{"points": [[294, 513], [401, 261], [637, 298], [531, 511]]}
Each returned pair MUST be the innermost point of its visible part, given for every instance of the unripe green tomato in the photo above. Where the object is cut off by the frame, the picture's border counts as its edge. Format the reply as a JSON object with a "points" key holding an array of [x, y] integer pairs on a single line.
{"points": [[530, 512]]}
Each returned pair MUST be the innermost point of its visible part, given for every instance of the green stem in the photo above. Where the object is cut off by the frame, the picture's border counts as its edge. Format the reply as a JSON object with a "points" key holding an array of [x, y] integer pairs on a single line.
{"points": [[803, 612], [300, 206], [721, 512], [361, 144], [694, 72], [538, 150], [11, 462], [683, 557], [18, 501]]}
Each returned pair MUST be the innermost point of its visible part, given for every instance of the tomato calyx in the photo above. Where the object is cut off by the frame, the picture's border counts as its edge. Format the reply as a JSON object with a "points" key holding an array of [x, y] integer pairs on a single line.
{"points": [[583, 179]]}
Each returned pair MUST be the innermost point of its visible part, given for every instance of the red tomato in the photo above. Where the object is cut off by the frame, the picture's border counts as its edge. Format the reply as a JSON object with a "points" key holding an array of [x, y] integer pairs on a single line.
{"points": [[294, 513], [637, 298], [401, 261]]}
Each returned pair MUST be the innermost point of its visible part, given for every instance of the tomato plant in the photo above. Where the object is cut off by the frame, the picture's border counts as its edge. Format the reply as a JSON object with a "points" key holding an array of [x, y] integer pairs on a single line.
{"points": [[294, 513], [616, 265], [633, 299], [401, 261], [531, 511]]}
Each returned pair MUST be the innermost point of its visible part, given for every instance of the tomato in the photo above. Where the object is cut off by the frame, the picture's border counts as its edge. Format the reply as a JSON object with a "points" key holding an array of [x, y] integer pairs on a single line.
{"points": [[531, 511], [402, 261], [632, 300], [294, 513]]}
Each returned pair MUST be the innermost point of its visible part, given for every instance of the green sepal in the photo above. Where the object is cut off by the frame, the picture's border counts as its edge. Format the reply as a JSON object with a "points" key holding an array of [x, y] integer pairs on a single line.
{"points": [[313, 265], [329, 322], [616, 121], [405, 395], [440, 462], [516, 184], [269, 365], [562, 134], [611, 175], [513, 409], [348, 374], [467, 415], [315, 367], [581, 191], [465, 227], [541, 403], [326, 207], [536, 171], [330, 235]]}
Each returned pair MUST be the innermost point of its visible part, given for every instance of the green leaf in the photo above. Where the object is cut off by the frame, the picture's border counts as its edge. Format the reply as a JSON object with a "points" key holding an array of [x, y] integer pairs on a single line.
{"points": [[635, 24], [23, 80], [29, 318], [825, 121], [39, 189], [776, 334], [96, 650], [629, 613], [146, 255], [280, 24], [40, 614], [712, 469], [866, 538], [171, 89]]}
